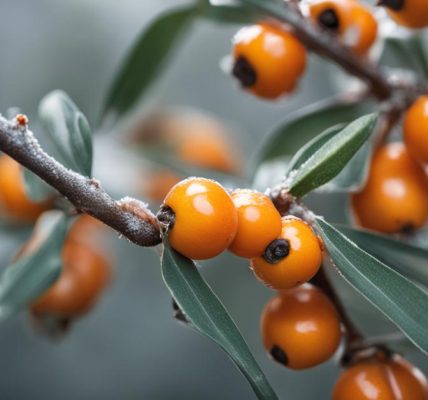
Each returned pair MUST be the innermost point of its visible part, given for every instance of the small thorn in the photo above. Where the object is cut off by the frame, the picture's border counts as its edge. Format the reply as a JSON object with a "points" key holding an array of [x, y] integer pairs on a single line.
{"points": [[178, 313]]}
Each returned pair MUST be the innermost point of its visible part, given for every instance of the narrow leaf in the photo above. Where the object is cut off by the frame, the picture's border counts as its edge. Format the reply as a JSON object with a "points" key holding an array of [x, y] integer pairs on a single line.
{"points": [[402, 301], [207, 314], [146, 59], [304, 125], [231, 13], [408, 260], [30, 276], [332, 157], [306, 152], [69, 131], [406, 53]]}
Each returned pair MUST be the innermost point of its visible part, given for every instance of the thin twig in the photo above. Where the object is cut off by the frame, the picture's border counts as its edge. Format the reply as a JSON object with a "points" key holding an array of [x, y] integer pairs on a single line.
{"points": [[128, 217], [352, 334], [326, 45]]}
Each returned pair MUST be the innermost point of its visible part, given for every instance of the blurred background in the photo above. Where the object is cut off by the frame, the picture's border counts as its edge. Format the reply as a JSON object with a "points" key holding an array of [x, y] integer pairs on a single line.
{"points": [[129, 346]]}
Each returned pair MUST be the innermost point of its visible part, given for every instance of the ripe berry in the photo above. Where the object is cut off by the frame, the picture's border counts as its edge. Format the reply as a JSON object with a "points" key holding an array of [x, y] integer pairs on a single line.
{"points": [[202, 142], [293, 258], [395, 196], [268, 60], [203, 219], [415, 129], [194, 138], [259, 223], [353, 23], [381, 380], [301, 327], [158, 183], [410, 13], [85, 274], [14, 202]]}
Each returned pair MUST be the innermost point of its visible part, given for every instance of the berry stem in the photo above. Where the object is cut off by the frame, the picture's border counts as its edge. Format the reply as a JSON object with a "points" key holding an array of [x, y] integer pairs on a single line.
{"points": [[129, 217], [352, 335]]}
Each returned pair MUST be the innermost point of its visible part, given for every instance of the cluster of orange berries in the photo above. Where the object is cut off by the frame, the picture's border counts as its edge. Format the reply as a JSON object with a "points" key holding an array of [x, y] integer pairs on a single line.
{"points": [[268, 60], [85, 274], [300, 326], [85, 271], [395, 197]]}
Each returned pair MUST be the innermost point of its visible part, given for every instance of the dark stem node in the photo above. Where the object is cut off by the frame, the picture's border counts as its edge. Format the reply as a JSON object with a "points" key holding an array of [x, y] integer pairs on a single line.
{"points": [[166, 217]]}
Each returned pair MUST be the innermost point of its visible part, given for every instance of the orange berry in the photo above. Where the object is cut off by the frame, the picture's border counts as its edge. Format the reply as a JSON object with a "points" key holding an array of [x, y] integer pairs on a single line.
{"points": [[395, 196], [202, 142], [204, 220], [268, 60], [14, 202], [259, 222], [353, 23], [410, 13], [390, 379], [194, 138], [85, 274], [301, 327], [415, 129], [299, 256], [157, 184]]}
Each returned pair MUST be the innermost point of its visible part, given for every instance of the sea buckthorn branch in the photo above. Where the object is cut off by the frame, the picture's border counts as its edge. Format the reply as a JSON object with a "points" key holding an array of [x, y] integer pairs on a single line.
{"points": [[129, 217], [321, 43]]}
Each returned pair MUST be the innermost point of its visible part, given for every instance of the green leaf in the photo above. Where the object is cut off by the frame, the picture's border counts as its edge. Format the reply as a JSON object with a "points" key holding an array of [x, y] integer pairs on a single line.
{"points": [[408, 260], [35, 188], [305, 124], [230, 13], [354, 174], [207, 314], [306, 152], [351, 178], [402, 301], [406, 53], [145, 60], [69, 131], [25, 280], [332, 157]]}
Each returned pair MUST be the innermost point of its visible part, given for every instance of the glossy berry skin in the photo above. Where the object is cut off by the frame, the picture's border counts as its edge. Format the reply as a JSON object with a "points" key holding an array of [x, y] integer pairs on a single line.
{"points": [[353, 23], [415, 129], [381, 380], [301, 327], [259, 222], [205, 219], [395, 196], [302, 262], [14, 202], [409, 13], [84, 276], [268, 60]]}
